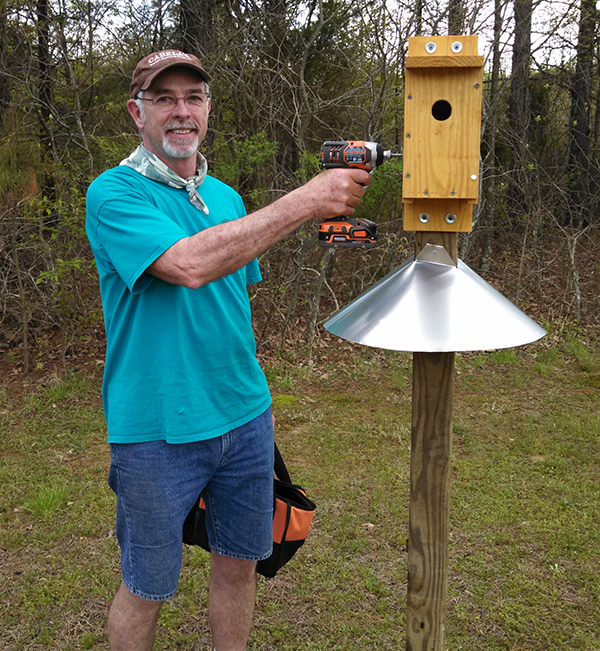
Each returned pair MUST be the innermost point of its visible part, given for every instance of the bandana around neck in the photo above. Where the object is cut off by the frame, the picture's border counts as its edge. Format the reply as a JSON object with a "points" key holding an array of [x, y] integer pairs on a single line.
{"points": [[150, 166]]}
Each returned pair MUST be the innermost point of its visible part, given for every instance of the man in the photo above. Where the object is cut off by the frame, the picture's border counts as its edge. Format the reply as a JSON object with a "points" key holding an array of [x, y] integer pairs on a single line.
{"points": [[186, 404]]}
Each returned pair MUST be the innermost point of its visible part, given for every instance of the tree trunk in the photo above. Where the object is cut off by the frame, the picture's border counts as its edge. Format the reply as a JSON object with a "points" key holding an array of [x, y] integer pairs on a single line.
{"points": [[418, 17], [491, 163], [519, 112], [580, 186], [4, 84], [158, 36], [45, 91], [288, 152], [196, 26], [24, 307], [78, 112], [316, 299], [303, 87], [44, 67], [456, 17]]}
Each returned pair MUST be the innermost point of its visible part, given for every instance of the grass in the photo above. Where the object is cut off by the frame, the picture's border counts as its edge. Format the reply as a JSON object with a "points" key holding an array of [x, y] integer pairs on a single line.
{"points": [[525, 513], [46, 501]]}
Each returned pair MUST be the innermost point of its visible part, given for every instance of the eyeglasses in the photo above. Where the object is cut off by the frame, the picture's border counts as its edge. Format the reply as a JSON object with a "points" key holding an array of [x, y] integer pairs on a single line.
{"points": [[167, 102]]}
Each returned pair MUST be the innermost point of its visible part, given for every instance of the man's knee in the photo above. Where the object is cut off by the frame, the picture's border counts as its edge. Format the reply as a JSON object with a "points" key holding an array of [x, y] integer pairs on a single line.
{"points": [[232, 570], [133, 605], [131, 621]]}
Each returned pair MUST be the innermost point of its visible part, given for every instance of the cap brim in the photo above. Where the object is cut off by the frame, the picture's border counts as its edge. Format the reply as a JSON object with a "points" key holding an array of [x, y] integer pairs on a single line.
{"points": [[200, 71]]}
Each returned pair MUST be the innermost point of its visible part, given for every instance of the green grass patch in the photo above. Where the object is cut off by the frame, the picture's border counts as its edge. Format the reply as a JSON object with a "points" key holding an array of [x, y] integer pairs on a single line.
{"points": [[46, 501], [525, 510]]}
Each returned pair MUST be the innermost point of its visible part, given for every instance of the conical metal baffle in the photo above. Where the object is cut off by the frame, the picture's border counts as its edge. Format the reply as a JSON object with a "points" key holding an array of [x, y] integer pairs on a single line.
{"points": [[431, 305]]}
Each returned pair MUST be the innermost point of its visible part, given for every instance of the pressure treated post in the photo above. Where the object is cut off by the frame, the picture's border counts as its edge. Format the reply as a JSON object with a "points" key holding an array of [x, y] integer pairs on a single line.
{"points": [[432, 399]]}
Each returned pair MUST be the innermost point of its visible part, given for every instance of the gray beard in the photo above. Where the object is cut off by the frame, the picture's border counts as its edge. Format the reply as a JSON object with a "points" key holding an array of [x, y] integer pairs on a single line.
{"points": [[180, 151]]}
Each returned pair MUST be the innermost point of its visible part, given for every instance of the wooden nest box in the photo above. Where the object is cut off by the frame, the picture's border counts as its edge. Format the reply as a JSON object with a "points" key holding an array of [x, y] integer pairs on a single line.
{"points": [[442, 125]]}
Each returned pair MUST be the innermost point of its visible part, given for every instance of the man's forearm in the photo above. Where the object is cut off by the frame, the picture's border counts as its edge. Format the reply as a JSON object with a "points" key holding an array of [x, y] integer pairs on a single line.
{"points": [[225, 248], [220, 250]]}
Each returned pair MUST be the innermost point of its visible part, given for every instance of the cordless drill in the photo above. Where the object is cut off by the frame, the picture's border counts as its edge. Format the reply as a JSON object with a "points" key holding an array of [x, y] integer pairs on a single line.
{"points": [[351, 232]]}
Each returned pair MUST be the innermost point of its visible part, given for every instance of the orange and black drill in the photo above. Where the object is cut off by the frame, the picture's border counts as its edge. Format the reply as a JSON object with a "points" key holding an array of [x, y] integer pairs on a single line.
{"points": [[351, 232]]}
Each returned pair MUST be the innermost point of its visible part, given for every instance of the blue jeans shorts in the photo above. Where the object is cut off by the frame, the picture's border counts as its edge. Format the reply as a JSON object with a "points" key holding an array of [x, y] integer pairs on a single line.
{"points": [[157, 483]]}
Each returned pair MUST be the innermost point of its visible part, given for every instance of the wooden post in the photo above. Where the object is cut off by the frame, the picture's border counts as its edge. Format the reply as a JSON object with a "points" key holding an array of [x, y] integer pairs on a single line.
{"points": [[432, 399]]}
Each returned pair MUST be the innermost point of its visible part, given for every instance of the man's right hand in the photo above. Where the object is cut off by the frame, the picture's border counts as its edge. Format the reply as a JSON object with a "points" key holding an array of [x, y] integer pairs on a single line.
{"points": [[332, 193]]}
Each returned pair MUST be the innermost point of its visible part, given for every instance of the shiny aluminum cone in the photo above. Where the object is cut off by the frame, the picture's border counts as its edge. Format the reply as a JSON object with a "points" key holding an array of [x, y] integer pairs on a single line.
{"points": [[431, 305]]}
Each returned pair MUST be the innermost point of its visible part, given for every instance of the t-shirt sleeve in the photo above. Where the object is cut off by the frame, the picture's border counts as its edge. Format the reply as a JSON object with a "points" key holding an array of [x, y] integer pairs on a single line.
{"points": [[253, 274], [131, 232]]}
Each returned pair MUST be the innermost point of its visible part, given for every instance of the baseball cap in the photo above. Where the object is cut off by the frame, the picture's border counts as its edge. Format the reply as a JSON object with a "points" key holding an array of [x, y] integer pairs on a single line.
{"points": [[152, 65]]}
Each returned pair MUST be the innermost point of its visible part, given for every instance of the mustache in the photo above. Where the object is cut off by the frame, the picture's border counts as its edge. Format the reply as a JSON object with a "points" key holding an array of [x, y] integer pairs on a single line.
{"points": [[182, 124]]}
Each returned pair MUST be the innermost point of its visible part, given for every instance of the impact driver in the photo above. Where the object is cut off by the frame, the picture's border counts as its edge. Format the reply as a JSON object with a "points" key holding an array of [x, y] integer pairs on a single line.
{"points": [[351, 232]]}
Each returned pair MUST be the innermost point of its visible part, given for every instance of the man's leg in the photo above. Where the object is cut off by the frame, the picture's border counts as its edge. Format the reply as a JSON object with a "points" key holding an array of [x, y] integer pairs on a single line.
{"points": [[231, 601], [131, 621]]}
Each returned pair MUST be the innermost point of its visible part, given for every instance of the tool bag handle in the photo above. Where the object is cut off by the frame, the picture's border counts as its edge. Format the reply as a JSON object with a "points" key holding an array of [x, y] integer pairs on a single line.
{"points": [[281, 470]]}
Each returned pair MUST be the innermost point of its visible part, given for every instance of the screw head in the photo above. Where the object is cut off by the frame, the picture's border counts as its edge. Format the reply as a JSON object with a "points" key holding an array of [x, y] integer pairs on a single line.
{"points": [[425, 192], [452, 192], [408, 135], [430, 47], [408, 175], [456, 47], [409, 97], [424, 217], [450, 218]]}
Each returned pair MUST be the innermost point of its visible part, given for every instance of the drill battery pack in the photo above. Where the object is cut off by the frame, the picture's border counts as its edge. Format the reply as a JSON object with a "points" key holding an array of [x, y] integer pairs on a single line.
{"points": [[348, 233]]}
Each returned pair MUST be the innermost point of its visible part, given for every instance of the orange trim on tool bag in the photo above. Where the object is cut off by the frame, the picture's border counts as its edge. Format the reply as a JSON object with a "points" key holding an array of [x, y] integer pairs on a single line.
{"points": [[290, 523]]}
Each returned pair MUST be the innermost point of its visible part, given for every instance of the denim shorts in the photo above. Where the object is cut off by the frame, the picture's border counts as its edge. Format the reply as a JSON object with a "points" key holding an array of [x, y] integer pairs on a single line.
{"points": [[157, 483]]}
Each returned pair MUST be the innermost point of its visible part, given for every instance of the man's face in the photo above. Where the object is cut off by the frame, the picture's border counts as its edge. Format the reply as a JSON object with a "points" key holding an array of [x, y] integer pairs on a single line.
{"points": [[173, 132]]}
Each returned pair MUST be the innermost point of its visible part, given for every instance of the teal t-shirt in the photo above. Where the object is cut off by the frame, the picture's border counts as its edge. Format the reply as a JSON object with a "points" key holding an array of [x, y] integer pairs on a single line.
{"points": [[180, 363]]}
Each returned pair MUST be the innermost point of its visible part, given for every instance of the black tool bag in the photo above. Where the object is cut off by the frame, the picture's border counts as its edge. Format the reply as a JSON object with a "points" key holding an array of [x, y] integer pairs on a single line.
{"points": [[292, 518]]}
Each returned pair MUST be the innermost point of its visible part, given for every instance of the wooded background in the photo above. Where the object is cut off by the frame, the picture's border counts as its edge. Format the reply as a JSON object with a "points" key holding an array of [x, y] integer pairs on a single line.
{"points": [[287, 75]]}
